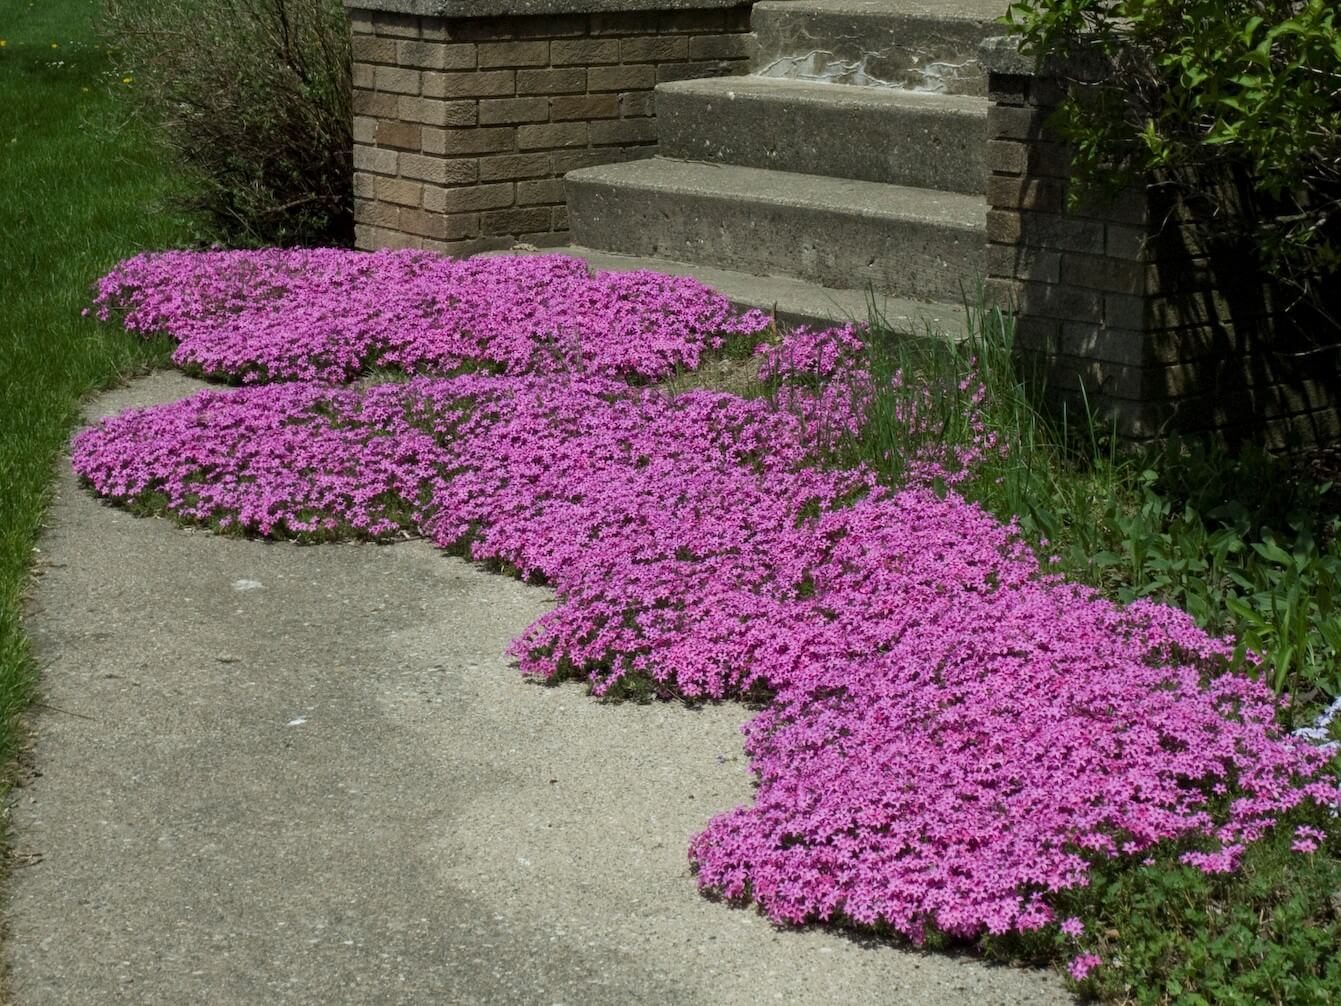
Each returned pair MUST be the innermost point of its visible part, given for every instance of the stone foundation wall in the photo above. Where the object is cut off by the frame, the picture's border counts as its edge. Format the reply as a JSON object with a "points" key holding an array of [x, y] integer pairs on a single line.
{"points": [[464, 126], [1125, 309]]}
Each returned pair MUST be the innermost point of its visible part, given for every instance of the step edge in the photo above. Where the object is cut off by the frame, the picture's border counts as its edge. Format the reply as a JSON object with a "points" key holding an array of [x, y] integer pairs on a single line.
{"points": [[905, 308], [968, 106], [804, 9], [599, 175]]}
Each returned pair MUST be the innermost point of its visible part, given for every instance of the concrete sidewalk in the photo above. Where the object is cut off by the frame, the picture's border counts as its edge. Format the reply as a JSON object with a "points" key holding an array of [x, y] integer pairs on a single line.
{"points": [[277, 774]]}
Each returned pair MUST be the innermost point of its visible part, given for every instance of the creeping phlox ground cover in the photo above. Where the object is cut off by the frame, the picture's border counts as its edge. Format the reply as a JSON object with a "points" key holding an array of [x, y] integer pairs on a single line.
{"points": [[325, 314], [952, 734]]}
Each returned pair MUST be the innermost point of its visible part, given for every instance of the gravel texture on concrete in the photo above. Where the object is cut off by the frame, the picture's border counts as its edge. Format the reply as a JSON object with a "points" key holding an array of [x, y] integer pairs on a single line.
{"points": [[266, 773], [927, 45]]}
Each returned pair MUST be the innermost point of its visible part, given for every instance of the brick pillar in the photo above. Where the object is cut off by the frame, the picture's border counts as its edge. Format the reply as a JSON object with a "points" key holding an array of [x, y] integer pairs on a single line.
{"points": [[1124, 306], [465, 125]]}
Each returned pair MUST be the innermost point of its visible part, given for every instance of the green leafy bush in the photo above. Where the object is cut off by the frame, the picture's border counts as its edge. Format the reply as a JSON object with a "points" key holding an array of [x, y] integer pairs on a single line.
{"points": [[1239, 98], [1168, 933], [1252, 558], [253, 97]]}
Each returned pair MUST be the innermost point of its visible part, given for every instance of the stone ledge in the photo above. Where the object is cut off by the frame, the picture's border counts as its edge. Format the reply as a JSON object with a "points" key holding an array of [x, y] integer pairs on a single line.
{"points": [[532, 8], [1001, 54]]}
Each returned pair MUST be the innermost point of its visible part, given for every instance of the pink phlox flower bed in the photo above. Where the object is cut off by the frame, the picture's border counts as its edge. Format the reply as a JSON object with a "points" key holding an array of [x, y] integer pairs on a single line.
{"points": [[951, 736], [328, 314]]}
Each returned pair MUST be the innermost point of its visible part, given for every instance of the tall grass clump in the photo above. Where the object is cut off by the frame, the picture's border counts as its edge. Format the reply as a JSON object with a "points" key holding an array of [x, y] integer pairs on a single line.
{"points": [[253, 99], [83, 189]]}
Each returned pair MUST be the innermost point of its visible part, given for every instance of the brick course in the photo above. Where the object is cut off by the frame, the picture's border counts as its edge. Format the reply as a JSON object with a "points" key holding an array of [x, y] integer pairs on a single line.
{"points": [[1124, 309], [464, 128]]}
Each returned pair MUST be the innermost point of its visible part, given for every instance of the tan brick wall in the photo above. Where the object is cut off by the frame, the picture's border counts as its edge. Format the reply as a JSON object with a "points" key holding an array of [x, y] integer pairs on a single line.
{"points": [[1121, 308], [464, 128]]}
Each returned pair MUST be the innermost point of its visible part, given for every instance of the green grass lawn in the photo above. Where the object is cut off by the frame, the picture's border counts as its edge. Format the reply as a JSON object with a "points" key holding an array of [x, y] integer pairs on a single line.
{"points": [[82, 189]]}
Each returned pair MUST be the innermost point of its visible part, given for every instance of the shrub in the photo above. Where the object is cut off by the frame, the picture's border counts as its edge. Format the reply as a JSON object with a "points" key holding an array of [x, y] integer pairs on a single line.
{"points": [[253, 98], [1238, 98]]}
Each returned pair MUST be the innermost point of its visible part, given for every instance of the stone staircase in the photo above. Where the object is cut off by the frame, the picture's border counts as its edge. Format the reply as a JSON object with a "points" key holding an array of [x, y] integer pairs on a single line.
{"points": [[845, 172]]}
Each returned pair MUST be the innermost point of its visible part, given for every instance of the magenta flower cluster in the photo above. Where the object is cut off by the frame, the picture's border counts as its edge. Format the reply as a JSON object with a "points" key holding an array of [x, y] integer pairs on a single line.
{"points": [[953, 735], [1082, 965], [328, 314]]}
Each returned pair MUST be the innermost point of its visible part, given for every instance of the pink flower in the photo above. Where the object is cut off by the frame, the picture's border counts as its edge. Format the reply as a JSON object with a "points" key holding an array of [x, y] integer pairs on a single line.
{"points": [[1308, 839], [1225, 860], [1082, 965], [1073, 927]]}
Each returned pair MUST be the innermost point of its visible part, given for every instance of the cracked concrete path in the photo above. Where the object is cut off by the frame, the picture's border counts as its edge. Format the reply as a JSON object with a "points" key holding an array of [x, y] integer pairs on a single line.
{"points": [[273, 774]]}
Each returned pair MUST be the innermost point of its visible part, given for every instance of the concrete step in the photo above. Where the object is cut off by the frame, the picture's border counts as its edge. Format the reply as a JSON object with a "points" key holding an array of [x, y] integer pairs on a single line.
{"points": [[914, 243], [792, 301], [927, 46], [930, 141]]}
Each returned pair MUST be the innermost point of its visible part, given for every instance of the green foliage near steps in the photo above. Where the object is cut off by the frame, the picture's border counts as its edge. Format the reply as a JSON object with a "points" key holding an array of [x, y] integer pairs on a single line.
{"points": [[1239, 97]]}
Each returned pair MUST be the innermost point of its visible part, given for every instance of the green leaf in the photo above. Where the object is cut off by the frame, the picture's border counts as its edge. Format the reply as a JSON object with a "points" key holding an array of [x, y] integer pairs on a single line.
{"points": [[1272, 552], [1243, 610]]}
